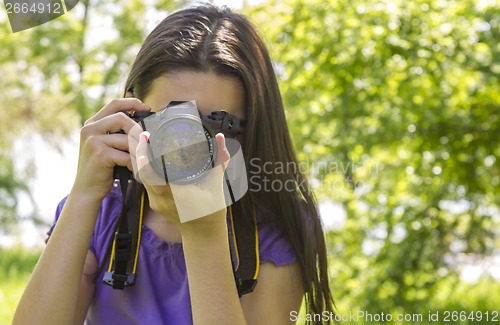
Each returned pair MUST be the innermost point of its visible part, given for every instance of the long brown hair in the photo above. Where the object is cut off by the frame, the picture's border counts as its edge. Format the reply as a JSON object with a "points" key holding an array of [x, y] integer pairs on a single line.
{"points": [[205, 38]]}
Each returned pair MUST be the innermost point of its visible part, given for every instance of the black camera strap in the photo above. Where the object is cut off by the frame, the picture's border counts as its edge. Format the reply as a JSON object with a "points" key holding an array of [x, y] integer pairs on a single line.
{"points": [[244, 243], [123, 248]]}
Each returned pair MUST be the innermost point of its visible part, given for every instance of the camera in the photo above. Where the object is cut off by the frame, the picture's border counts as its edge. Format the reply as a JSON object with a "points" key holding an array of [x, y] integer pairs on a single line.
{"points": [[182, 147]]}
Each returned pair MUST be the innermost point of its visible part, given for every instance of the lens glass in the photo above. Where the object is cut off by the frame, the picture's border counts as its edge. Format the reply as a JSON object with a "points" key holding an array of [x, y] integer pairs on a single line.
{"points": [[186, 147]]}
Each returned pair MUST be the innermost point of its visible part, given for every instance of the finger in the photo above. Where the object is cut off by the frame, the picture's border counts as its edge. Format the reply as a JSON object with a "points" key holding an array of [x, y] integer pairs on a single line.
{"points": [[141, 151], [111, 148], [223, 155], [118, 104], [145, 172], [115, 140], [114, 123], [133, 149], [117, 157], [133, 138]]}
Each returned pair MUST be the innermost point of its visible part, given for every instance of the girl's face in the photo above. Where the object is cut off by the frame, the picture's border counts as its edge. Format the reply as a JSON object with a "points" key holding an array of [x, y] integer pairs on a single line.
{"points": [[212, 92]]}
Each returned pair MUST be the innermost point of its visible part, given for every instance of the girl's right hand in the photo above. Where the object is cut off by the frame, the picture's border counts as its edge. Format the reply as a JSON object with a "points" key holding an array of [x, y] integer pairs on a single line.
{"points": [[102, 147]]}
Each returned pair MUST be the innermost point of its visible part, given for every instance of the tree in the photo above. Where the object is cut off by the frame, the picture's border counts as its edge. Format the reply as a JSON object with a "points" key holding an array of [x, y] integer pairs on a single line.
{"points": [[395, 106], [55, 76]]}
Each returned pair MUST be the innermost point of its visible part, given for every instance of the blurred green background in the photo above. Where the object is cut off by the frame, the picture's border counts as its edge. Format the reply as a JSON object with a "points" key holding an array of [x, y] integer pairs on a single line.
{"points": [[394, 109]]}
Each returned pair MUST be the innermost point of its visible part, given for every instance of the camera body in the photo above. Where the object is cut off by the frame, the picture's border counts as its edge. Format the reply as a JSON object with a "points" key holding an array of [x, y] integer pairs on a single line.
{"points": [[182, 147]]}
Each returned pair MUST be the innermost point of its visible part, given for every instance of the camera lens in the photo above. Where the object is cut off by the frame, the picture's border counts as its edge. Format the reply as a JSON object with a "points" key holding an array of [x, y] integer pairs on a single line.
{"points": [[183, 149]]}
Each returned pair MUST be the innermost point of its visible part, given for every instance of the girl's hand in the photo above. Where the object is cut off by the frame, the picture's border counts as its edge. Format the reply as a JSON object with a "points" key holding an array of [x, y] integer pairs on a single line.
{"points": [[184, 205], [102, 147]]}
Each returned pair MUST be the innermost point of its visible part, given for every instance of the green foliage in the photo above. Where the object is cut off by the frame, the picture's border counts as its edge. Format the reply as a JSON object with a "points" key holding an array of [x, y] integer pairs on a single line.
{"points": [[55, 76], [453, 294], [394, 106], [16, 265], [454, 299], [8, 187]]}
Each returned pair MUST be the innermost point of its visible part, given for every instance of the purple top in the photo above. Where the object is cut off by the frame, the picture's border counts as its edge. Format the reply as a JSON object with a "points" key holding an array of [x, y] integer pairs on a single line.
{"points": [[160, 294]]}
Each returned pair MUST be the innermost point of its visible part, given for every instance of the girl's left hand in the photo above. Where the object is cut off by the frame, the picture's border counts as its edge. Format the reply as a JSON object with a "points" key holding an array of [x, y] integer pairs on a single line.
{"points": [[184, 205]]}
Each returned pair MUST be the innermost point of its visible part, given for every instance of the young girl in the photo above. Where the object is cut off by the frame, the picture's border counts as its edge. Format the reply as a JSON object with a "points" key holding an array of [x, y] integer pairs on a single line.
{"points": [[184, 273]]}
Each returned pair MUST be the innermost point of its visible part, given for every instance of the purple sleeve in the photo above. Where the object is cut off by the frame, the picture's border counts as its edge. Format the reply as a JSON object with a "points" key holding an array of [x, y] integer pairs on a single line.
{"points": [[58, 213], [107, 215], [274, 246]]}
